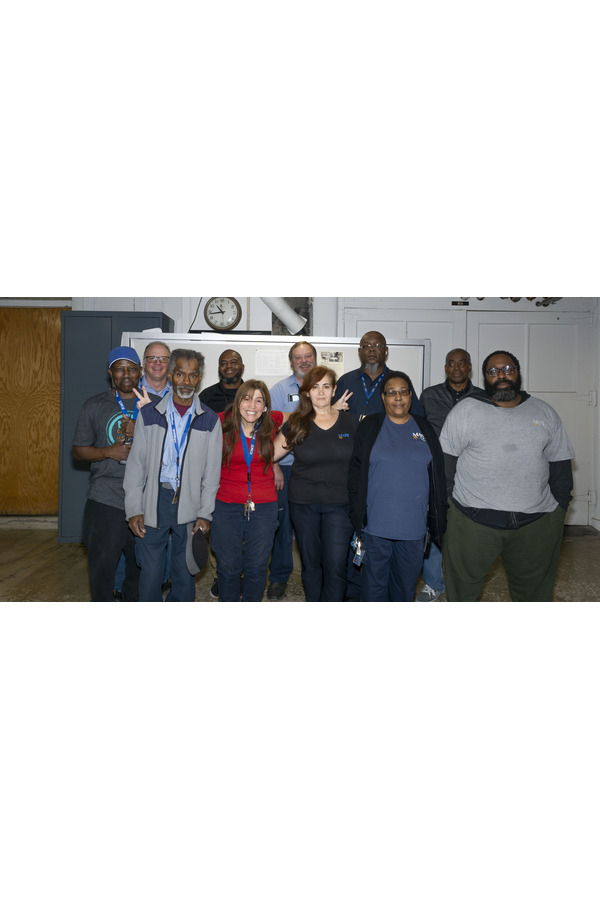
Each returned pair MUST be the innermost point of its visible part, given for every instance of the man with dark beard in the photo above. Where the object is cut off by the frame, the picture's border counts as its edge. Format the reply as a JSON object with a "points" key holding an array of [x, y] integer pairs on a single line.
{"points": [[221, 394], [509, 460]]}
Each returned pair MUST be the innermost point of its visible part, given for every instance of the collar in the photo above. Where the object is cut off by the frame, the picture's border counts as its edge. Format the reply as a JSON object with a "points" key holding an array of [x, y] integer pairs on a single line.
{"points": [[361, 372], [458, 393]]}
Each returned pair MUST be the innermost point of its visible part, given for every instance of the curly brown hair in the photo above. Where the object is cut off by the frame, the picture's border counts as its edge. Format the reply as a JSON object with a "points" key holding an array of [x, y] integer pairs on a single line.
{"points": [[232, 423], [300, 422]]}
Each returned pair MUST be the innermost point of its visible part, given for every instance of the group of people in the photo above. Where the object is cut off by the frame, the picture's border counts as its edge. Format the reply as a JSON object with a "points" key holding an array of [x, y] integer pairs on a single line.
{"points": [[378, 486]]}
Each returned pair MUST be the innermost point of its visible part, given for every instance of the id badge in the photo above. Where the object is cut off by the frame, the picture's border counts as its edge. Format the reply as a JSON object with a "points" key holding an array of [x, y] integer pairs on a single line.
{"points": [[359, 550]]}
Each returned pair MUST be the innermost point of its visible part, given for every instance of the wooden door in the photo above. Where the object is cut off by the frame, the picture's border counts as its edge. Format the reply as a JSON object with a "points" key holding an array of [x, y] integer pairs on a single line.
{"points": [[29, 410]]}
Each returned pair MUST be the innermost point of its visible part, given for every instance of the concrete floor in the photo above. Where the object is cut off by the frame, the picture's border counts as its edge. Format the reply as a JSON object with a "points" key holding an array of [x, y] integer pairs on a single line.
{"points": [[35, 567]]}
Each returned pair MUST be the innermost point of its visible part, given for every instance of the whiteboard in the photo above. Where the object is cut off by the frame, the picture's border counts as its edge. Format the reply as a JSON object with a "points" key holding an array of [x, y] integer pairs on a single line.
{"points": [[266, 356]]}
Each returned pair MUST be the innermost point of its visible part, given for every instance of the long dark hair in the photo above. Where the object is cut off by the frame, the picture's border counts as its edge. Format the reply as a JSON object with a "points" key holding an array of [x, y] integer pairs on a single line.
{"points": [[300, 422], [232, 423]]}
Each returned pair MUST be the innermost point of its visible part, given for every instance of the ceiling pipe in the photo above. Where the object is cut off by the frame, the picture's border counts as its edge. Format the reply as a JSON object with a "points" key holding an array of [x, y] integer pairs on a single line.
{"points": [[291, 319]]}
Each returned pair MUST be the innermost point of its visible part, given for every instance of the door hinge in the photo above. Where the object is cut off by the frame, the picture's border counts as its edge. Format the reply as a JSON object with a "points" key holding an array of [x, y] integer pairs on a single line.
{"points": [[591, 398]]}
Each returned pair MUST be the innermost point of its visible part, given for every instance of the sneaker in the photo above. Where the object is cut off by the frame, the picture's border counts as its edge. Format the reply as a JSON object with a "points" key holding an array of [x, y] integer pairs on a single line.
{"points": [[427, 594], [214, 591], [276, 590]]}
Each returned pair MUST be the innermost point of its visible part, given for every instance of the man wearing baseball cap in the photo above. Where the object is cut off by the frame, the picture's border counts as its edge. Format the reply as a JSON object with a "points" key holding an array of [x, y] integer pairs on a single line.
{"points": [[103, 437]]}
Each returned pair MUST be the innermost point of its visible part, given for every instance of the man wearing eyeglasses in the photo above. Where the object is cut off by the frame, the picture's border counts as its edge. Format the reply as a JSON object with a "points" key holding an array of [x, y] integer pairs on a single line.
{"points": [[512, 486], [156, 369], [365, 382], [437, 401]]}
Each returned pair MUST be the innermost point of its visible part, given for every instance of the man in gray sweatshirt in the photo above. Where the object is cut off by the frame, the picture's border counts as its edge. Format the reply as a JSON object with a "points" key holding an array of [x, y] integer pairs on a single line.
{"points": [[509, 460]]}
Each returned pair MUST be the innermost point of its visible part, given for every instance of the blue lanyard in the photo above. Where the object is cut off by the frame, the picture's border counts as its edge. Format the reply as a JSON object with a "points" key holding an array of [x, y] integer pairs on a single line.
{"points": [[124, 410], [248, 453], [367, 395], [179, 445]]}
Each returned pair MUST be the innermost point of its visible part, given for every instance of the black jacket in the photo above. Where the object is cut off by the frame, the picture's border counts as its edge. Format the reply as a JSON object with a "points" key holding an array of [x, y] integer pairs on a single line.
{"points": [[358, 477]]}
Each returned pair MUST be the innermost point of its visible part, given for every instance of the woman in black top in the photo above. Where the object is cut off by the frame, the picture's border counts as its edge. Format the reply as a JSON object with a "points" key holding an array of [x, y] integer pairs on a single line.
{"points": [[322, 439]]}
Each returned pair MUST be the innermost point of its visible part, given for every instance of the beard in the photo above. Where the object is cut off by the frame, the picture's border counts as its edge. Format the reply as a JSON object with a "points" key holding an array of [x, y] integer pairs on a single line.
{"points": [[503, 395], [184, 393], [371, 367], [230, 380]]}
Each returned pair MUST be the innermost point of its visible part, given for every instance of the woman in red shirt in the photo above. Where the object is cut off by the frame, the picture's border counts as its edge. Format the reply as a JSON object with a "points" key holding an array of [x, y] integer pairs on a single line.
{"points": [[245, 516]]}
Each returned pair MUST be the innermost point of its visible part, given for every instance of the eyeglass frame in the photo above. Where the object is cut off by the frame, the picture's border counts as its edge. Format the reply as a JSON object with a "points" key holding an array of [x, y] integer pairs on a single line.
{"points": [[505, 370], [396, 392], [372, 346], [157, 358]]}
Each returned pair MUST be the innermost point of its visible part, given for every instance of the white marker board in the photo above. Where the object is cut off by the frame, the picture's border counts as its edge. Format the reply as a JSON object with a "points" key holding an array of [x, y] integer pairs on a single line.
{"points": [[266, 356]]}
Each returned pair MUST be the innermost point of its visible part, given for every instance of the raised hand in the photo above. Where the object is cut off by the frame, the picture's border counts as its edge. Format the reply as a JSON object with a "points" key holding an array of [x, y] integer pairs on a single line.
{"points": [[342, 403], [144, 399]]}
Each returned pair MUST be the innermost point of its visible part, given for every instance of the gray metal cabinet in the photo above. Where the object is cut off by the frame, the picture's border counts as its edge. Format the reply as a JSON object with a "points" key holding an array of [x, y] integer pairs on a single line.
{"points": [[86, 340]]}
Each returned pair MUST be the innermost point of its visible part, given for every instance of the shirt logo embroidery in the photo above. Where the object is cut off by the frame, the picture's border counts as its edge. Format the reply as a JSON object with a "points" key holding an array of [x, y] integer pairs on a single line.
{"points": [[418, 436], [343, 436]]}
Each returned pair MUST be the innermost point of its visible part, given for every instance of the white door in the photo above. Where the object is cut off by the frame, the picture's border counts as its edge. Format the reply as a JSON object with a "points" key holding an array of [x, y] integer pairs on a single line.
{"points": [[556, 353], [446, 328]]}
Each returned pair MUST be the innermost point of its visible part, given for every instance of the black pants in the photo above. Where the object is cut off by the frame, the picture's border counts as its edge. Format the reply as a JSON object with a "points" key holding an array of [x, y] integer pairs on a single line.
{"points": [[323, 532], [105, 534]]}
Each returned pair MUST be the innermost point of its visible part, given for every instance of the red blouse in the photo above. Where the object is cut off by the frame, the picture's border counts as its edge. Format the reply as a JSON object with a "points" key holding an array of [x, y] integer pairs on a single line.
{"points": [[234, 479]]}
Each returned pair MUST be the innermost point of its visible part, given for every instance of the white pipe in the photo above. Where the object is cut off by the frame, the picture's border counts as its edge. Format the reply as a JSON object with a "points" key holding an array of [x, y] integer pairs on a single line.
{"points": [[292, 321]]}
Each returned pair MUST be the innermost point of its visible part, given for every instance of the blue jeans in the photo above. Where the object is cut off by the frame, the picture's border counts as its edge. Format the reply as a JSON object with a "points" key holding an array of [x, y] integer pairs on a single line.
{"points": [[323, 532], [120, 573], [151, 553], [390, 569], [282, 560], [242, 544], [432, 573]]}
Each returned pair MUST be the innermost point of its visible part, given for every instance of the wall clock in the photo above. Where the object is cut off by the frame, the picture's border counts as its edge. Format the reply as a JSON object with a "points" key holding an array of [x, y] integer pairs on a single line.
{"points": [[223, 313]]}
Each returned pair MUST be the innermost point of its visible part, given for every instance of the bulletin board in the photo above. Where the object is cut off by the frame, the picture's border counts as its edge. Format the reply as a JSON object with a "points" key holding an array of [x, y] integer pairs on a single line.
{"points": [[266, 356]]}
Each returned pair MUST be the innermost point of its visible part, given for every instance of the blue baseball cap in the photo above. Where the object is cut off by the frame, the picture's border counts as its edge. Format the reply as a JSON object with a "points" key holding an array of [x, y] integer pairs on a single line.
{"points": [[123, 353]]}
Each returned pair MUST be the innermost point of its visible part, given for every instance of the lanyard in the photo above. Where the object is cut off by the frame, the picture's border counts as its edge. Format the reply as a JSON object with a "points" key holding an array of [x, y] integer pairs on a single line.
{"points": [[179, 445], [248, 453], [367, 394], [131, 415]]}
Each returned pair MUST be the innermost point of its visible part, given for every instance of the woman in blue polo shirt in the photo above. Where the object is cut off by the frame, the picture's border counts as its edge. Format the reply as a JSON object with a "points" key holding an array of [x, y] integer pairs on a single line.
{"points": [[397, 493]]}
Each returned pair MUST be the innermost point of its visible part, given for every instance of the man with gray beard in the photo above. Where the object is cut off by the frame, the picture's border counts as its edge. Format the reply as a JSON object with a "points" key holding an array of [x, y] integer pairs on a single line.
{"points": [[364, 382], [172, 477], [508, 458]]}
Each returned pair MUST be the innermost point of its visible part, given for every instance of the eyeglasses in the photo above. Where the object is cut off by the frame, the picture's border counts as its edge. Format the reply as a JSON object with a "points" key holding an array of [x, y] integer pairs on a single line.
{"points": [[372, 346], [401, 393], [462, 364], [503, 370], [163, 359]]}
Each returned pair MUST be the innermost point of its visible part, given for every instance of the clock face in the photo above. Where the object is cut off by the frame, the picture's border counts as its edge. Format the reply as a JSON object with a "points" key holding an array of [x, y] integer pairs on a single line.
{"points": [[223, 313]]}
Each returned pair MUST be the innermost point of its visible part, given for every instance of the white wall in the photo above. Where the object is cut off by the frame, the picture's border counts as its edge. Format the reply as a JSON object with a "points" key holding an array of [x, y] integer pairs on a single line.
{"points": [[595, 521]]}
